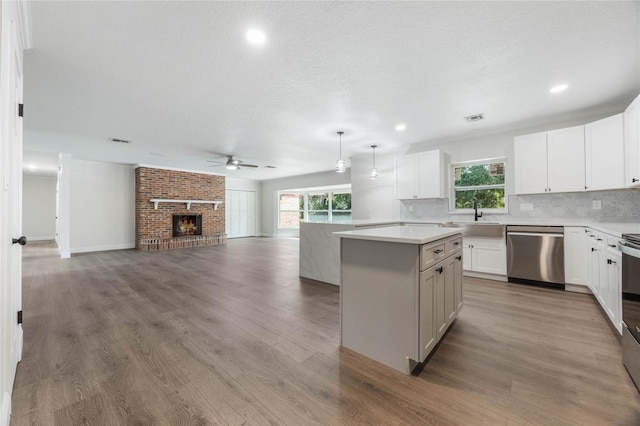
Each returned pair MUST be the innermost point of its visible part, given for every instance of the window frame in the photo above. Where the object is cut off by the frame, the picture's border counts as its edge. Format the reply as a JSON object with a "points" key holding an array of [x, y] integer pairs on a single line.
{"points": [[306, 193], [452, 186]]}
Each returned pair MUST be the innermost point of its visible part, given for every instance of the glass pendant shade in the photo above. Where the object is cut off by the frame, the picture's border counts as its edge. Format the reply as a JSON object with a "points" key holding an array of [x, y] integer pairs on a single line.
{"points": [[341, 165], [374, 171]]}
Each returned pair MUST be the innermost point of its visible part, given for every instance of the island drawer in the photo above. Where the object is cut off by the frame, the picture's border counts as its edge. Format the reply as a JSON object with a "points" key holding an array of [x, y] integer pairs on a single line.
{"points": [[453, 244], [431, 253]]}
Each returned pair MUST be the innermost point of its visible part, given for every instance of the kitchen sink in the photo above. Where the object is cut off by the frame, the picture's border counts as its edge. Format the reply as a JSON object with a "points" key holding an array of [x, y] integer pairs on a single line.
{"points": [[478, 229]]}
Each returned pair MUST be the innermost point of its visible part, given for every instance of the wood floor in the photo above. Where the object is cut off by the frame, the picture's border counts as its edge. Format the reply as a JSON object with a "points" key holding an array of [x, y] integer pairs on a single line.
{"points": [[231, 335]]}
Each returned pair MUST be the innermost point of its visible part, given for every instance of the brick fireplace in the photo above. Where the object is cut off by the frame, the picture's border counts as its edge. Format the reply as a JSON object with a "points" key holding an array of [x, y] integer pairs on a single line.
{"points": [[201, 225]]}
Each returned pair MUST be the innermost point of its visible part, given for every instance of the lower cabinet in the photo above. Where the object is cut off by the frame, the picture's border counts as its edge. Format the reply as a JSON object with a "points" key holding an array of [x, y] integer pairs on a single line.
{"points": [[486, 255], [576, 255], [605, 275], [440, 300]]}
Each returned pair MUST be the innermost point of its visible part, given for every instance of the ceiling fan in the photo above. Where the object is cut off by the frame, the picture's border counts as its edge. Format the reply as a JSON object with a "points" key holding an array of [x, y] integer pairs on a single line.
{"points": [[232, 163]]}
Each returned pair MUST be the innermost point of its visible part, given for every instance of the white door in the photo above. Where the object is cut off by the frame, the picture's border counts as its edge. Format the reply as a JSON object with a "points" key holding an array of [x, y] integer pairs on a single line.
{"points": [[530, 153], [10, 204], [604, 148], [240, 213], [565, 160]]}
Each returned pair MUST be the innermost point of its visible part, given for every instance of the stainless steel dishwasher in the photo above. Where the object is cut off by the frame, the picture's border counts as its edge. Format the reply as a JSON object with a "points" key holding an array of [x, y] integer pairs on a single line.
{"points": [[535, 255]]}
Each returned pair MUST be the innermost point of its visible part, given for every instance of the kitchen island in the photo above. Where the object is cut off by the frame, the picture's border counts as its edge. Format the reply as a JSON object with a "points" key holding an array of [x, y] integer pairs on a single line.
{"points": [[401, 291]]}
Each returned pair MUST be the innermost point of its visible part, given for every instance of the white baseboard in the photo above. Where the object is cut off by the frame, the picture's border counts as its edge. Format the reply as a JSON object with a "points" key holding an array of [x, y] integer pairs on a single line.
{"points": [[65, 255], [577, 288], [45, 238], [103, 248], [5, 408]]}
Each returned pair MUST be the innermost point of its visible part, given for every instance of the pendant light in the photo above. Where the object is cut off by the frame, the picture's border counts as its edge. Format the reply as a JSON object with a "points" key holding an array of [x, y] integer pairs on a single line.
{"points": [[341, 165], [374, 171]]}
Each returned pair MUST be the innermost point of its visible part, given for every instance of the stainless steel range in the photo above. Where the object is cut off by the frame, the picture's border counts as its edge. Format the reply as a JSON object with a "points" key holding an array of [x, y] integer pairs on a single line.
{"points": [[630, 248]]}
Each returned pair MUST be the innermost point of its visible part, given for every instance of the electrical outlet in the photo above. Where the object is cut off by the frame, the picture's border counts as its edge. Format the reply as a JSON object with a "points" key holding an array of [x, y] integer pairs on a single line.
{"points": [[597, 204], [525, 207]]}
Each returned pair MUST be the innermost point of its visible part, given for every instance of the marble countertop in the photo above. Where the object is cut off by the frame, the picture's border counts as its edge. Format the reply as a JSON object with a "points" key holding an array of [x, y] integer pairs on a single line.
{"points": [[613, 228], [400, 234]]}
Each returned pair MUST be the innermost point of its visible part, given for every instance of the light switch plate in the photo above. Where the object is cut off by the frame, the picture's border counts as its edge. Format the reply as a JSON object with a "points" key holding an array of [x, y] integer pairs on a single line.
{"points": [[526, 207], [597, 204]]}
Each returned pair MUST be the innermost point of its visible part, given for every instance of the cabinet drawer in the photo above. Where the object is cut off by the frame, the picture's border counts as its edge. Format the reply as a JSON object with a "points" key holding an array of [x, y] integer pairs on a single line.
{"points": [[431, 253], [453, 244], [612, 242]]}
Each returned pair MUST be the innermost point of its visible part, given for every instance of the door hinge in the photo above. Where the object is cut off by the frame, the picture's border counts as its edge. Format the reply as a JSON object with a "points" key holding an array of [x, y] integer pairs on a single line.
{"points": [[20, 110], [19, 317]]}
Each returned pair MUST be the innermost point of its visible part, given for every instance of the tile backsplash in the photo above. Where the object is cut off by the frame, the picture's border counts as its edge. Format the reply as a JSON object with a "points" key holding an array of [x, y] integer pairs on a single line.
{"points": [[615, 206]]}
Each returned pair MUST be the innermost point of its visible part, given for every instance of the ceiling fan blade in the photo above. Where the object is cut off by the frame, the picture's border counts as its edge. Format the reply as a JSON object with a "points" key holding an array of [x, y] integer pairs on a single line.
{"points": [[241, 164]]}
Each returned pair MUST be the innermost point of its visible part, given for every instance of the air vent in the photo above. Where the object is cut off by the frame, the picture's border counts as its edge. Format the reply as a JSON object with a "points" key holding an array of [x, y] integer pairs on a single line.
{"points": [[116, 140], [474, 118]]}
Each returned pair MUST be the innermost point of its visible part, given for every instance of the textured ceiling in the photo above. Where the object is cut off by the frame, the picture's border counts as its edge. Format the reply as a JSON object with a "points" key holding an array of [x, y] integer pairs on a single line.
{"points": [[181, 82]]}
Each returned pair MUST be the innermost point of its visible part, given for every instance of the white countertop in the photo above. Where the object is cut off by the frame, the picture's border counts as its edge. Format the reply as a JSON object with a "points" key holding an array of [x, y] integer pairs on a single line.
{"points": [[401, 234], [613, 228]]}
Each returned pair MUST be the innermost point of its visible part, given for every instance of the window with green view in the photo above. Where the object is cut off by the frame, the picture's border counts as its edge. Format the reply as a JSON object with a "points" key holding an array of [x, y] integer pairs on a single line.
{"points": [[483, 180]]}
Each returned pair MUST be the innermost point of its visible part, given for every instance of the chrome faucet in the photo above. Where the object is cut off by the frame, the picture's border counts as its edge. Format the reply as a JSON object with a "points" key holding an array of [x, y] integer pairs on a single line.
{"points": [[475, 208]]}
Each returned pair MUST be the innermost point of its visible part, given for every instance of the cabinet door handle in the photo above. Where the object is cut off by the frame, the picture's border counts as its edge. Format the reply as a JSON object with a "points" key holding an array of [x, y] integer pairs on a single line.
{"points": [[457, 243], [634, 180], [459, 258], [438, 251], [612, 245], [611, 262], [440, 270], [592, 249], [598, 239]]}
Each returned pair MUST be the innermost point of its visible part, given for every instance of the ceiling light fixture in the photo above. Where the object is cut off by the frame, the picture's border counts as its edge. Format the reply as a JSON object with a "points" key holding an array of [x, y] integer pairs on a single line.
{"points": [[401, 127], [256, 37], [374, 171], [231, 164], [559, 88], [341, 165]]}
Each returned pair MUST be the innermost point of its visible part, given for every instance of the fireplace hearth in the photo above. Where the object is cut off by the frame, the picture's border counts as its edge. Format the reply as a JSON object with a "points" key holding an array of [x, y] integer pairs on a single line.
{"points": [[185, 225]]}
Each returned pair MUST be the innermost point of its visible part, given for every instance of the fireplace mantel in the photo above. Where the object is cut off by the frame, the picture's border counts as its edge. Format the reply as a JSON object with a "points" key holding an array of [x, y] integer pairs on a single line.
{"points": [[157, 201]]}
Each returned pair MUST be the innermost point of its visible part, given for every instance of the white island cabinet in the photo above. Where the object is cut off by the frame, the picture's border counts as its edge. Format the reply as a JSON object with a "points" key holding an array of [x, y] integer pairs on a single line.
{"points": [[401, 289]]}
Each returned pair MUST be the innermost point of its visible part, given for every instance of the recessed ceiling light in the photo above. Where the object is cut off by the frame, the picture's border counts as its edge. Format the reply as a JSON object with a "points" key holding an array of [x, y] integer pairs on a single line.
{"points": [[401, 127], [559, 88], [256, 37]]}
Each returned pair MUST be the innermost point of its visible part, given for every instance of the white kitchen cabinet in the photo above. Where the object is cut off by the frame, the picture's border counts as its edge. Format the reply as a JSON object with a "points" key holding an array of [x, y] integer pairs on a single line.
{"points": [[485, 255], [429, 281], [604, 150], [605, 275], [530, 154], [576, 255], [632, 143], [551, 161], [421, 175]]}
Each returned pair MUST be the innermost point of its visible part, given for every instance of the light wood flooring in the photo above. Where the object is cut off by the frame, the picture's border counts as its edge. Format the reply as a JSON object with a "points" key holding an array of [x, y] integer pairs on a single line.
{"points": [[231, 335]]}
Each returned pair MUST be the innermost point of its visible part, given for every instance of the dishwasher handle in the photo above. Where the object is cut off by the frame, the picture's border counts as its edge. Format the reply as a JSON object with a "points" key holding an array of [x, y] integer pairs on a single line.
{"points": [[535, 234]]}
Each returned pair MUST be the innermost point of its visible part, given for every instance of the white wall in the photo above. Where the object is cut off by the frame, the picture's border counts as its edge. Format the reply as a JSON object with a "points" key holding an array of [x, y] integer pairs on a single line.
{"points": [[269, 192], [39, 207], [373, 199], [100, 201]]}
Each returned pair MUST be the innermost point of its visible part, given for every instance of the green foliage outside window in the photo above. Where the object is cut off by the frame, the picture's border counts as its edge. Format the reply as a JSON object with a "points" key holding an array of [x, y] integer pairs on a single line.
{"points": [[480, 176], [341, 202]]}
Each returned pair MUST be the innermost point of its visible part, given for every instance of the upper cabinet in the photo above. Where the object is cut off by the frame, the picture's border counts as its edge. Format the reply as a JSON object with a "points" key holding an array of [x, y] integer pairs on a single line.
{"points": [[550, 161], [632, 143], [421, 175], [604, 146]]}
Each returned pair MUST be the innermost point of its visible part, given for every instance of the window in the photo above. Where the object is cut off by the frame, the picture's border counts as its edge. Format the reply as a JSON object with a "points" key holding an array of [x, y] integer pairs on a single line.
{"points": [[314, 206], [482, 180], [291, 210]]}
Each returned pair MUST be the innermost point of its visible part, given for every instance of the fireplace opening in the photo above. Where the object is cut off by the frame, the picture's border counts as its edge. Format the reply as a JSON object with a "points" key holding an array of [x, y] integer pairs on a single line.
{"points": [[187, 224]]}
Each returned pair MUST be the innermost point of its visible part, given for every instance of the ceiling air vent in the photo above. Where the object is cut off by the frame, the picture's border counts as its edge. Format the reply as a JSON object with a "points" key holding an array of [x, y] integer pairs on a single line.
{"points": [[475, 117], [116, 140]]}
